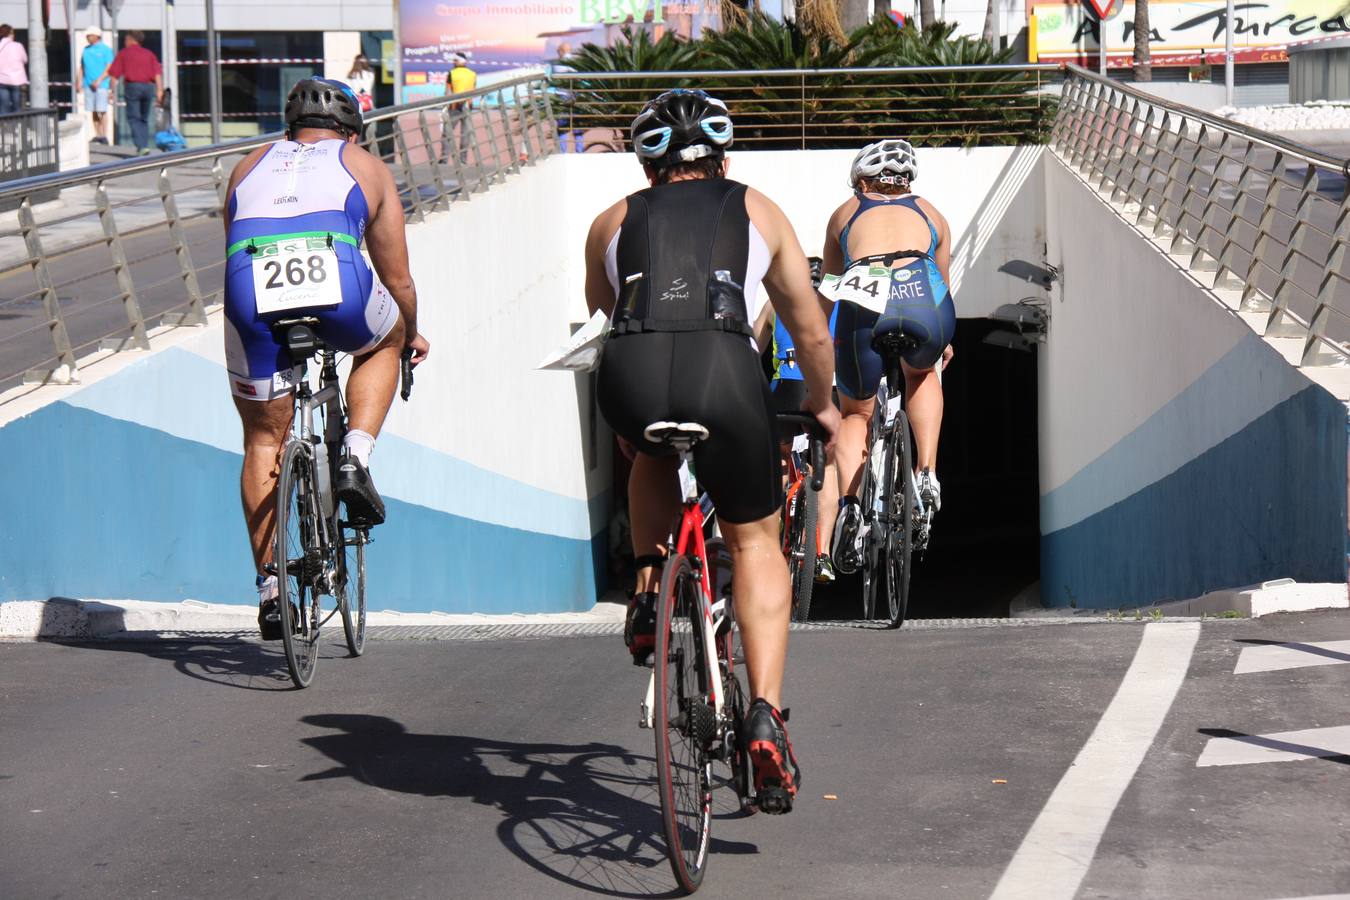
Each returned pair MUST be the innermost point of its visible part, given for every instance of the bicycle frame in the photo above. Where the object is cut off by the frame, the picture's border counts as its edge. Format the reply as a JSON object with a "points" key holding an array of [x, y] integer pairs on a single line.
{"points": [[686, 539], [302, 425]]}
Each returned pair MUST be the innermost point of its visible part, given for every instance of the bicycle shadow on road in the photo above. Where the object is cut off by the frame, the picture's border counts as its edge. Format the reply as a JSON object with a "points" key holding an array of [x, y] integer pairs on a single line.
{"points": [[237, 664], [583, 814]]}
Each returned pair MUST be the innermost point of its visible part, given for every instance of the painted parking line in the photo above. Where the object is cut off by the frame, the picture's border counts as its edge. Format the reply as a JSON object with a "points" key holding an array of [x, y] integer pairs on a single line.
{"points": [[1056, 853], [1281, 746], [1321, 897], [1273, 657]]}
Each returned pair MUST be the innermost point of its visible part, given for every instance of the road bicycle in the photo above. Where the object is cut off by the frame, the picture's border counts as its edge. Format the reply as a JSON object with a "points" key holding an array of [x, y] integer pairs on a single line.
{"points": [[317, 553], [695, 703], [894, 527], [801, 537]]}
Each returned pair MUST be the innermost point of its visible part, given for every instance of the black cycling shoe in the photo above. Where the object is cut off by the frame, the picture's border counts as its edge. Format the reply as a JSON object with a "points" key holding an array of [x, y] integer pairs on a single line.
{"points": [[639, 629], [777, 775], [354, 487], [269, 619]]}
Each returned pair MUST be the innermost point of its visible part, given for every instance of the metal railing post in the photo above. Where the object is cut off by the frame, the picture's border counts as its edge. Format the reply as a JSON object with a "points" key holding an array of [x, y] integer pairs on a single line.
{"points": [[51, 305], [512, 151], [196, 312], [122, 269], [433, 159], [475, 147], [551, 121], [409, 179], [455, 154], [527, 144]]}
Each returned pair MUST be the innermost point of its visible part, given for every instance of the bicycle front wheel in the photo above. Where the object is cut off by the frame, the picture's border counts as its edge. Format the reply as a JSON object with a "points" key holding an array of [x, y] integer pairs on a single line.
{"points": [[685, 724], [297, 556], [803, 547], [900, 517], [352, 596]]}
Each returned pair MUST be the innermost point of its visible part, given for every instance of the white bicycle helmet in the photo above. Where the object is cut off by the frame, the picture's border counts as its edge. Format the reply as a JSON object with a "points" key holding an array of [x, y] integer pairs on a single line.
{"points": [[894, 158]]}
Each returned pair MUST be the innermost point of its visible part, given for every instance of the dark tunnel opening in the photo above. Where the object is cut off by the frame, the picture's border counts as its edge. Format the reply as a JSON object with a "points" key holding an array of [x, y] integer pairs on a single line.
{"points": [[985, 548]]}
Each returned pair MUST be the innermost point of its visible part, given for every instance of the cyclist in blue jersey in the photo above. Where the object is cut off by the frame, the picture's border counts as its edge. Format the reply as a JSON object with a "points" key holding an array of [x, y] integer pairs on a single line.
{"points": [[789, 395], [296, 214], [884, 224]]}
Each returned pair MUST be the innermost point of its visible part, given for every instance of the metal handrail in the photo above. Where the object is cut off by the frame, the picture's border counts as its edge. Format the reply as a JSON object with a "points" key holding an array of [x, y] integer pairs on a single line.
{"points": [[120, 168], [151, 215], [1266, 138], [771, 73], [1223, 198]]}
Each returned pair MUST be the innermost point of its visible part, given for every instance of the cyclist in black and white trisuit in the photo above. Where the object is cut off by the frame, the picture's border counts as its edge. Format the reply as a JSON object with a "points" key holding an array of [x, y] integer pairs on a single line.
{"points": [[676, 266]]}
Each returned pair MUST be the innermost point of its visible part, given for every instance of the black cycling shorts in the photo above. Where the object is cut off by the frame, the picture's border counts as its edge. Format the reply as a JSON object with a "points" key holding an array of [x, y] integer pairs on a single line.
{"points": [[709, 377]]}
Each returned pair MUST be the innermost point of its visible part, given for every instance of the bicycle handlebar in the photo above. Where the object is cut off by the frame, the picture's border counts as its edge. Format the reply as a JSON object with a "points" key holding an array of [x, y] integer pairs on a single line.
{"points": [[817, 434], [405, 373]]}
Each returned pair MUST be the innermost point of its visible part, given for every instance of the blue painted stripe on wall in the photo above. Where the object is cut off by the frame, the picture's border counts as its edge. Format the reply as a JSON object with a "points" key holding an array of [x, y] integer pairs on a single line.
{"points": [[1269, 502], [110, 509], [151, 392], [1243, 384]]}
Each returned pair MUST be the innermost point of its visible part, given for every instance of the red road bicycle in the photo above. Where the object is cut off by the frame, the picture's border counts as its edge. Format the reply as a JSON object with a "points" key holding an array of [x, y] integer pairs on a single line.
{"points": [[695, 703]]}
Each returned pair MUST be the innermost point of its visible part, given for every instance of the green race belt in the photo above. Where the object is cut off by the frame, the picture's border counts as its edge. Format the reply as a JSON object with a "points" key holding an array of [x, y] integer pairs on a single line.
{"points": [[278, 238]]}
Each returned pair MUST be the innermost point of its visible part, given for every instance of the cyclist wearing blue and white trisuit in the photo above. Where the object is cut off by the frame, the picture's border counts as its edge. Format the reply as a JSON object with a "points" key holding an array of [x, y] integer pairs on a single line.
{"points": [[296, 214], [885, 229], [298, 196]]}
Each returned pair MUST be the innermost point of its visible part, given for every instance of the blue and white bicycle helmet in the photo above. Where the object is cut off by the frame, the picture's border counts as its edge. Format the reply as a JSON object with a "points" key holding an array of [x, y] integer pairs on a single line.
{"points": [[889, 160], [681, 126]]}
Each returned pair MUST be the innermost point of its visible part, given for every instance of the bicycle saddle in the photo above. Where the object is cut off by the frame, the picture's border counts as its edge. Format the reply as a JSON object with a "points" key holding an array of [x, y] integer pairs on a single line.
{"points": [[681, 436], [894, 343], [298, 337]]}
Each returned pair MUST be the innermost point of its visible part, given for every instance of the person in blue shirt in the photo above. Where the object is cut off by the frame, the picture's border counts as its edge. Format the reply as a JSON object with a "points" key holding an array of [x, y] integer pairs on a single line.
{"points": [[94, 61]]}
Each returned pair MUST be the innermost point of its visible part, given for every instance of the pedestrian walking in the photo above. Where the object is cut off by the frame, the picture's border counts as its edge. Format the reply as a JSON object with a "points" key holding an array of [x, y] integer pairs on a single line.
{"points": [[13, 71], [143, 80], [94, 61], [459, 80], [361, 79]]}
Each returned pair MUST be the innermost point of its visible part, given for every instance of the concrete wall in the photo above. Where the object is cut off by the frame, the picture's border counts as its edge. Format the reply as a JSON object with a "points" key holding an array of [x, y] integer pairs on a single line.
{"points": [[1179, 453], [993, 198], [494, 481]]}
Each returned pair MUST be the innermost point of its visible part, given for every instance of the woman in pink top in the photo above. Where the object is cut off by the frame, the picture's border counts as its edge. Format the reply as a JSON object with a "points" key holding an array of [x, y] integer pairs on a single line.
{"points": [[13, 71]]}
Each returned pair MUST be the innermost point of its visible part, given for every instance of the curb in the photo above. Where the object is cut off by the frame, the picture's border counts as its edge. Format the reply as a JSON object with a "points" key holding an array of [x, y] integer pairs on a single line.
{"points": [[1253, 601], [63, 618]]}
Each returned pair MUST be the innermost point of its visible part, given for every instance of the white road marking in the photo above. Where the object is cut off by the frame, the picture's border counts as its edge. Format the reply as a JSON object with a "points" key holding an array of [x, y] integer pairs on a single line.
{"points": [[1322, 897], [1273, 657], [1057, 851], [1282, 746]]}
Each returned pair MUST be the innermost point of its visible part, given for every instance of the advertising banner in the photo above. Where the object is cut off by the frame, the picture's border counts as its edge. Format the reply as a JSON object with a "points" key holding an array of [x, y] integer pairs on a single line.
{"points": [[1186, 32], [501, 36]]}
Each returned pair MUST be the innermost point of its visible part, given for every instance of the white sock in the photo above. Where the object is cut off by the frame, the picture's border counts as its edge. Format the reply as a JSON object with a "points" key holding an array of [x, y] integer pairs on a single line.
{"points": [[267, 588], [360, 445]]}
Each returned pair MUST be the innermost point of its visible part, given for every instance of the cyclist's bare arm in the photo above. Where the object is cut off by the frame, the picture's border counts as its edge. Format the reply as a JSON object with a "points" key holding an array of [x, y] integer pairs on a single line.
{"points": [[385, 238], [763, 327], [599, 292], [795, 301], [943, 254]]}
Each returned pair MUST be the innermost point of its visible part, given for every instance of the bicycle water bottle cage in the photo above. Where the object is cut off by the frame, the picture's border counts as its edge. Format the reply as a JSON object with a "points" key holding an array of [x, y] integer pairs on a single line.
{"points": [[299, 337], [894, 344], [678, 436]]}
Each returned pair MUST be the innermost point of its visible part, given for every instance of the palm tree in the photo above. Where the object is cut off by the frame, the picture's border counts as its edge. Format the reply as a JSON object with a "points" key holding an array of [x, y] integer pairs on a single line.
{"points": [[927, 15], [1143, 68], [988, 35]]}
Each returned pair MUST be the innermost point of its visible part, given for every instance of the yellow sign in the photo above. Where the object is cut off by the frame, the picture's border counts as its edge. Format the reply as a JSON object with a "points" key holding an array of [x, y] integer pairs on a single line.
{"points": [[1183, 30]]}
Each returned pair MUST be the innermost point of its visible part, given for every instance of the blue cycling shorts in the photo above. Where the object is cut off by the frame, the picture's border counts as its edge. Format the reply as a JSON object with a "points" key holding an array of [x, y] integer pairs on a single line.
{"points": [[259, 367], [919, 305]]}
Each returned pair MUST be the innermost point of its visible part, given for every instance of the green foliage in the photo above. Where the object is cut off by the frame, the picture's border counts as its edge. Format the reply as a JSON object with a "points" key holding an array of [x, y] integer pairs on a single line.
{"points": [[941, 108]]}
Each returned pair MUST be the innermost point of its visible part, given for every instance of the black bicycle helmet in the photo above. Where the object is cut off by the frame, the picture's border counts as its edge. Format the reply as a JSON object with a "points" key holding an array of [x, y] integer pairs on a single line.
{"points": [[681, 126], [323, 103]]}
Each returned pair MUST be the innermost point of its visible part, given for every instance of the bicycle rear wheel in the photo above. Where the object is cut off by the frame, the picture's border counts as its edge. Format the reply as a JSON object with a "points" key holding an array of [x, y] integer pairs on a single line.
{"points": [[685, 724], [803, 547], [297, 556], [352, 599], [900, 519], [874, 538]]}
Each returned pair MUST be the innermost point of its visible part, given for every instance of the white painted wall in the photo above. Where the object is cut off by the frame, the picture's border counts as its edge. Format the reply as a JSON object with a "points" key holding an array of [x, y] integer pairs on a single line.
{"points": [[494, 299], [993, 198]]}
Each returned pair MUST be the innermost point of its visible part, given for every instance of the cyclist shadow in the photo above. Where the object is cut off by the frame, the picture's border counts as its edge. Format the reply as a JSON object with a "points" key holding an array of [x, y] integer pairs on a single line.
{"points": [[236, 664], [583, 814]]}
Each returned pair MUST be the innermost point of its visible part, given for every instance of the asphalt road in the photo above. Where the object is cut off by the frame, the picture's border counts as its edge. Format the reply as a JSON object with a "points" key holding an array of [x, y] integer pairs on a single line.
{"points": [[515, 768]]}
